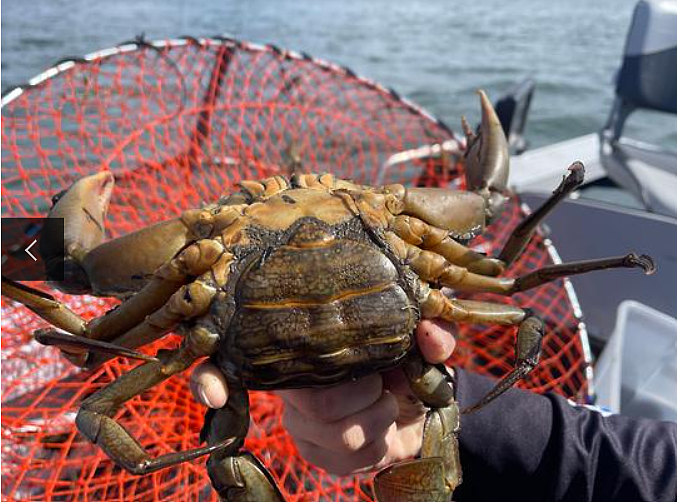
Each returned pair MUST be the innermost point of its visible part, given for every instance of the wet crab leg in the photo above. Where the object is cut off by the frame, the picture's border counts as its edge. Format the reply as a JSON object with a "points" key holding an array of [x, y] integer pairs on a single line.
{"points": [[44, 305], [521, 235], [65, 341], [146, 316], [432, 267], [436, 474], [190, 301], [236, 475], [529, 335], [194, 260], [437, 305], [95, 421], [527, 354], [419, 233]]}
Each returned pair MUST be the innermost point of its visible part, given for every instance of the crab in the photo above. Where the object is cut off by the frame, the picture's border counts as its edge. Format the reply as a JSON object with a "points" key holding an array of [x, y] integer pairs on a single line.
{"points": [[289, 283]]}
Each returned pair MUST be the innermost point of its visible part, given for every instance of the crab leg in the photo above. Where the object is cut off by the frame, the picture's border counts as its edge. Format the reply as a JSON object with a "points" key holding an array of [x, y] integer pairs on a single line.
{"points": [[65, 341], [44, 305], [141, 319], [418, 232], [436, 474], [527, 353], [194, 260], [51, 310], [432, 267], [190, 301], [525, 230], [529, 335], [236, 475], [437, 305], [437, 240], [95, 421]]}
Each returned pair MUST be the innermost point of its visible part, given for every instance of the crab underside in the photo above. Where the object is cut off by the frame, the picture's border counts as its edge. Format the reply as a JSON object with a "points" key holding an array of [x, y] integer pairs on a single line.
{"points": [[311, 281]]}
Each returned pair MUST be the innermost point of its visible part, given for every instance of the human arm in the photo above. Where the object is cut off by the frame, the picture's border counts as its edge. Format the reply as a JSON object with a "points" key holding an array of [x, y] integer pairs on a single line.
{"points": [[541, 447]]}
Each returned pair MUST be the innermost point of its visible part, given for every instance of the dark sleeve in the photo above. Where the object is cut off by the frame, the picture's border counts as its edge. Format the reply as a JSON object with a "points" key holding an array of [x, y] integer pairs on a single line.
{"points": [[530, 447]]}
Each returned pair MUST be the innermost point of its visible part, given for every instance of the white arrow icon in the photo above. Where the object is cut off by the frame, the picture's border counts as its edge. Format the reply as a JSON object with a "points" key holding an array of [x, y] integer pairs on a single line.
{"points": [[28, 250]]}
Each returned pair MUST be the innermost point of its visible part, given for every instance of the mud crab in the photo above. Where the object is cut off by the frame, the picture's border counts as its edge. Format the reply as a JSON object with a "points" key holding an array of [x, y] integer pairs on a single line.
{"points": [[304, 282]]}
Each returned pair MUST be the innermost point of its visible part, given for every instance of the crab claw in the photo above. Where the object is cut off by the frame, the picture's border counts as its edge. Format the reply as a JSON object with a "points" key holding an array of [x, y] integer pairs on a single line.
{"points": [[487, 159], [83, 209]]}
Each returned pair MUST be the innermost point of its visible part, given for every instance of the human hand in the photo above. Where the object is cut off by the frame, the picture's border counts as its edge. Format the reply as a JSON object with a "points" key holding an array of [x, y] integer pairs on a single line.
{"points": [[353, 427]]}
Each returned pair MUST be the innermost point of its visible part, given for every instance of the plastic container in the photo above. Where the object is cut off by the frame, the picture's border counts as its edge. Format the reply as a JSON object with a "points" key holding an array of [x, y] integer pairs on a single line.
{"points": [[636, 374]]}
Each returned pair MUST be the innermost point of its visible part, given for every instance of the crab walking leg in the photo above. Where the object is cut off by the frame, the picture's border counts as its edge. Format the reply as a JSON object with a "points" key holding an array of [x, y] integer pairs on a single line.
{"points": [[432, 267], [553, 272], [527, 355], [529, 335], [44, 305], [237, 476], [131, 317], [437, 240], [54, 312], [436, 474], [436, 305], [191, 300], [65, 341], [194, 260], [522, 234], [95, 421]]}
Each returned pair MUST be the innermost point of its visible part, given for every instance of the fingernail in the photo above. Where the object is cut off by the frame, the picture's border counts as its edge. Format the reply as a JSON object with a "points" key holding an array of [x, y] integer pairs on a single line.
{"points": [[203, 397]]}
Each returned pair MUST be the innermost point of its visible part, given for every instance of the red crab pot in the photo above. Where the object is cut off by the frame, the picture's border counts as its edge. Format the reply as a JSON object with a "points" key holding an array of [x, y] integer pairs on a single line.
{"points": [[179, 122]]}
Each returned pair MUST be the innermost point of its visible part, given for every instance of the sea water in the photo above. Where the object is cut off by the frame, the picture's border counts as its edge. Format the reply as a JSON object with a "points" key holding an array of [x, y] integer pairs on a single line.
{"points": [[435, 52]]}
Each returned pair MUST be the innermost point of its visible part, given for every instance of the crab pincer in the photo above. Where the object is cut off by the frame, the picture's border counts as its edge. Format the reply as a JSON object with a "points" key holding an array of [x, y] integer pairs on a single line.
{"points": [[487, 159]]}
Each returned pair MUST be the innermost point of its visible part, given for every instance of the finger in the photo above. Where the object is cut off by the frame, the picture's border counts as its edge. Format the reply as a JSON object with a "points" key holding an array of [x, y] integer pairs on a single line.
{"points": [[349, 434], [372, 454], [435, 340], [209, 386], [405, 444], [334, 403]]}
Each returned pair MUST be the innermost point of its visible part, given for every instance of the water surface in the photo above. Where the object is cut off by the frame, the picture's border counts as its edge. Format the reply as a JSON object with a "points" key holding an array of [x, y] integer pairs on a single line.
{"points": [[435, 52]]}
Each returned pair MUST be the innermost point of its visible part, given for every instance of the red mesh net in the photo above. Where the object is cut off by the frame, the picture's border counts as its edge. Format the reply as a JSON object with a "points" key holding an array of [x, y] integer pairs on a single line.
{"points": [[179, 123]]}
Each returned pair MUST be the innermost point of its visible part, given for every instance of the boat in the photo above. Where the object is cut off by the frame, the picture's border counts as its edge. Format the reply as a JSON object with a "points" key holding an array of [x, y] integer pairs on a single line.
{"points": [[628, 202]]}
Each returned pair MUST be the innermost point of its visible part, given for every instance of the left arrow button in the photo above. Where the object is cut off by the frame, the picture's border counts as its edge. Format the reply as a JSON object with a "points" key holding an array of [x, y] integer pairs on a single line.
{"points": [[29, 247]]}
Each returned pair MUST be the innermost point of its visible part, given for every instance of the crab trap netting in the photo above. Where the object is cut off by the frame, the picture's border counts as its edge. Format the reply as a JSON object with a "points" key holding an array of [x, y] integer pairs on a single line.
{"points": [[179, 123]]}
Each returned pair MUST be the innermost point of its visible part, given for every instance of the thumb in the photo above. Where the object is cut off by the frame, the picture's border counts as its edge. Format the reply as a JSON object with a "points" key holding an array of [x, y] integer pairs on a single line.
{"points": [[435, 340]]}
